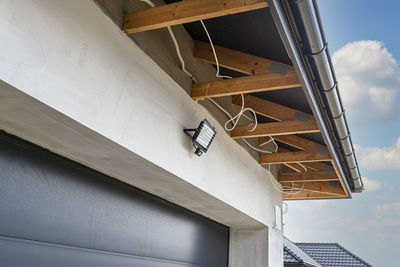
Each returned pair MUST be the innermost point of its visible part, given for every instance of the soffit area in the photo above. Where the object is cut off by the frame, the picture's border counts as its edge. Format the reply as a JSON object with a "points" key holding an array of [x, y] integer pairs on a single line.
{"points": [[249, 48]]}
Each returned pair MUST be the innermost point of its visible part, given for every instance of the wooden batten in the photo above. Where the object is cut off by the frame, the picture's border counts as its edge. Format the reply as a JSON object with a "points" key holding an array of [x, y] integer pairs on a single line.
{"points": [[185, 12], [307, 177], [306, 195], [262, 141], [294, 166], [275, 128], [292, 157], [310, 166], [318, 166], [242, 85]]}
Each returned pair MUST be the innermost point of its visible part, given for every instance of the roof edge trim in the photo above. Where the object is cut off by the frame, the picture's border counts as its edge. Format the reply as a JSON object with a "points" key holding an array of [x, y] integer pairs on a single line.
{"points": [[288, 36]]}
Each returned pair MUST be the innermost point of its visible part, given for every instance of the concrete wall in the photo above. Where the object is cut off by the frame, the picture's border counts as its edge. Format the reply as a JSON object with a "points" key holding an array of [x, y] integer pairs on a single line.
{"points": [[75, 84], [158, 45]]}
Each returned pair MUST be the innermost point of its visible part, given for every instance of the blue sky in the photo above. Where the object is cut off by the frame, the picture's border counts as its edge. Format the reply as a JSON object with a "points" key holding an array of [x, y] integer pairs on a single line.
{"points": [[364, 42]]}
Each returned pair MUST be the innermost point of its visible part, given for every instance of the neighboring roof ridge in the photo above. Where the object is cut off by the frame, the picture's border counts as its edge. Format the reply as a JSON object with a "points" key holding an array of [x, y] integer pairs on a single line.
{"points": [[294, 255], [319, 243], [354, 255], [337, 245], [297, 254]]}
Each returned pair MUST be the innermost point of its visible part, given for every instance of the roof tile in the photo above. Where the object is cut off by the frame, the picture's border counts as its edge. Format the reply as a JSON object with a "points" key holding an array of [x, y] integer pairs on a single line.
{"points": [[332, 255]]}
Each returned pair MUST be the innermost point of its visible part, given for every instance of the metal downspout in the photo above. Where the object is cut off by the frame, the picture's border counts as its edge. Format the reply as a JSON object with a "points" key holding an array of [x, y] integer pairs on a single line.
{"points": [[319, 64]]}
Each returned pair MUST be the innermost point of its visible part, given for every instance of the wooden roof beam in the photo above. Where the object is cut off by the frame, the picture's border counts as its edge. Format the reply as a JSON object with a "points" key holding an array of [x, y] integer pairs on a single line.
{"points": [[318, 166], [310, 166], [307, 195], [293, 157], [271, 109], [185, 12], [294, 166], [242, 85], [301, 143], [329, 188], [281, 113], [275, 128], [307, 177], [241, 62]]}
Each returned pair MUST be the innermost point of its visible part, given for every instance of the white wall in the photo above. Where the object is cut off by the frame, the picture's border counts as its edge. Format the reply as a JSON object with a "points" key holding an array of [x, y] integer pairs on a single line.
{"points": [[75, 84]]}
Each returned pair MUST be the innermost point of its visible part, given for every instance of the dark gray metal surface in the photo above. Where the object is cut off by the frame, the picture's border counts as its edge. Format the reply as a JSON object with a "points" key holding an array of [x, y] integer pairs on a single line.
{"points": [[332, 255], [293, 254], [54, 212]]}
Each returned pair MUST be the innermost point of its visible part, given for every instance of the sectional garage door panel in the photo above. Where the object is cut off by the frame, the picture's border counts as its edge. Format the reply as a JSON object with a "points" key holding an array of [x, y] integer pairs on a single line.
{"points": [[60, 208], [20, 252]]}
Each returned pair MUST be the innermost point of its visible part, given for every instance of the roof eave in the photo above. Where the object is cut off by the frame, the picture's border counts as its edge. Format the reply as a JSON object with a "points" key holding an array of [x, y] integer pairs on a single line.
{"points": [[289, 37]]}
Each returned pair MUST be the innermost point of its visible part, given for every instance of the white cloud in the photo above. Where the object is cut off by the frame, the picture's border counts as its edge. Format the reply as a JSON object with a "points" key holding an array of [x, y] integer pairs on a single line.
{"points": [[383, 98], [304, 206], [369, 81], [380, 158], [370, 185], [393, 208]]}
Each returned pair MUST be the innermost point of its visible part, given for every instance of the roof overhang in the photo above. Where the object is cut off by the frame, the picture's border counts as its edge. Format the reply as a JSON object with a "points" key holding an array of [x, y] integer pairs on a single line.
{"points": [[257, 43], [299, 23]]}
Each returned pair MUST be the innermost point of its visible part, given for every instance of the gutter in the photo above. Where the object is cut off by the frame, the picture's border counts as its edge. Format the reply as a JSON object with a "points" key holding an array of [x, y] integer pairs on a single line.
{"points": [[301, 31]]}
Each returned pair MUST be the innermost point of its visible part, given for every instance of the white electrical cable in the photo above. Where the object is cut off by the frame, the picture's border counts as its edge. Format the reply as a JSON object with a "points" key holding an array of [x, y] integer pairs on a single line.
{"points": [[276, 150], [215, 53], [177, 48], [304, 177], [178, 52], [234, 120], [222, 109], [149, 2], [254, 148]]}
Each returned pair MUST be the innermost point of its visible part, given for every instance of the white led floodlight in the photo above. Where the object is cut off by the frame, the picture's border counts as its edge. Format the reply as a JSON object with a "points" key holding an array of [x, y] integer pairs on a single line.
{"points": [[202, 137]]}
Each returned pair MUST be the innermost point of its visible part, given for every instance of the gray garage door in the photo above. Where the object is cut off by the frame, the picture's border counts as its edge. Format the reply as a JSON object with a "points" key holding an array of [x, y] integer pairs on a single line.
{"points": [[54, 212]]}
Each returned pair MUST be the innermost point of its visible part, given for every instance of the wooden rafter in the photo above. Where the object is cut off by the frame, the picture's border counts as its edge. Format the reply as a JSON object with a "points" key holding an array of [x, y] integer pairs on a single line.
{"points": [[301, 143], [262, 141], [294, 166], [185, 12], [330, 188], [293, 157], [281, 113], [307, 177], [241, 62], [310, 146], [318, 166], [242, 85], [310, 166], [271, 109], [275, 128]]}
